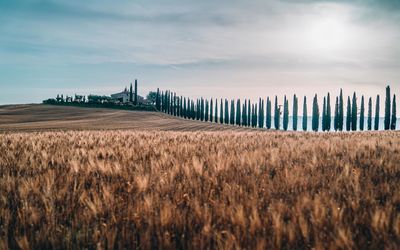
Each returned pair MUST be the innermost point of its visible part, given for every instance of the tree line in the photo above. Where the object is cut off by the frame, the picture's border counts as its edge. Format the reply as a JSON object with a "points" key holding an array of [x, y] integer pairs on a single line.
{"points": [[259, 114]]}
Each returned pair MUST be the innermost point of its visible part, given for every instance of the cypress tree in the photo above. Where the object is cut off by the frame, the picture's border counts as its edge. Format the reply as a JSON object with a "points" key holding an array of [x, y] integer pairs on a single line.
{"points": [[369, 122], [232, 114], [315, 114], [238, 114], [244, 113], [255, 115], [295, 112], [211, 110], [341, 111], [184, 108], [387, 109], [260, 113], [158, 107], [362, 116], [174, 105], [130, 94], [206, 115], [335, 119], [268, 120], [348, 117], [221, 114], [354, 113], [226, 112], [252, 115], [305, 118], [376, 127], [136, 98], [216, 111], [248, 113], [277, 115], [285, 113], [394, 118], [202, 109], [328, 113], [324, 115]]}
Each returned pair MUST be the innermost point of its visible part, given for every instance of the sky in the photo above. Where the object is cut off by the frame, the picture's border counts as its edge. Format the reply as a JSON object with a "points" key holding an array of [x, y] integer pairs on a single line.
{"points": [[225, 48]]}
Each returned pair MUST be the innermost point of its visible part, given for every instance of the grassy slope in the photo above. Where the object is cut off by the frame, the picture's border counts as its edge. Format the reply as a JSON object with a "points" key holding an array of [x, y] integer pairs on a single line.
{"points": [[46, 117]]}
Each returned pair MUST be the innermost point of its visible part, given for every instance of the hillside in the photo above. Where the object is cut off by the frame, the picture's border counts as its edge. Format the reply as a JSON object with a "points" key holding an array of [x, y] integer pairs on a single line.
{"points": [[38, 117]]}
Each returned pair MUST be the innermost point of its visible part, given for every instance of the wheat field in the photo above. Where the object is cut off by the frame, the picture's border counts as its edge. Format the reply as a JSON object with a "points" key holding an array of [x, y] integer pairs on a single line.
{"points": [[199, 190]]}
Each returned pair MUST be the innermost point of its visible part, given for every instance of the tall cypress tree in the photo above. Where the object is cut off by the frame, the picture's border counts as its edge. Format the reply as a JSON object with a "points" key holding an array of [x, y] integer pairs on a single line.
{"points": [[244, 113], [238, 113], [348, 117], [277, 115], [394, 118], [255, 115], [260, 113], [232, 115], [130, 94], [387, 108], [268, 121], [324, 115], [226, 115], [285, 113], [221, 112], [335, 119], [136, 94], [315, 114], [248, 113], [216, 111], [158, 104], [341, 111], [184, 111], [369, 121], [211, 110], [295, 112], [206, 115], [362, 116], [354, 113], [376, 127], [305, 115], [328, 112]]}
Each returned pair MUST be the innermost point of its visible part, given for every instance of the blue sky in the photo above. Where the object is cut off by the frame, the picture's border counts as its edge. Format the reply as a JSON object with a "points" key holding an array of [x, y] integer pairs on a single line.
{"points": [[198, 48]]}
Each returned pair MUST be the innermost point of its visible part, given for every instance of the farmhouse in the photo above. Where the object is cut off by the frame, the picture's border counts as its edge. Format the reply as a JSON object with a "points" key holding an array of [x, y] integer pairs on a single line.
{"points": [[125, 96]]}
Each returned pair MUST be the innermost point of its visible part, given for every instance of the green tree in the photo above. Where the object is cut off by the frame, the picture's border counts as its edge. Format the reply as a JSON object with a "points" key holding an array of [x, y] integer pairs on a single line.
{"points": [[268, 120], [328, 112], [341, 111], [394, 118], [244, 113], [206, 115], [376, 125], [248, 113], [226, 112], [324, 115], [232, 115], [260, 113], [348, 117], [362, 116], [216, 111], [387, 109], [335, 119], [285, 113], [354, 113], [135, 101], [130, 94], [369, 121], [315, 114], [305, 115], [221, 114], [277, 114], [211, 110], [295, 112], [238, 114]]}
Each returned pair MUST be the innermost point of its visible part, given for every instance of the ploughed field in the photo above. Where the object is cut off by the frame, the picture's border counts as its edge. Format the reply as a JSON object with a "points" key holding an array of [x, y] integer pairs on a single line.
{"points": [[198, 190], [38, 117]]}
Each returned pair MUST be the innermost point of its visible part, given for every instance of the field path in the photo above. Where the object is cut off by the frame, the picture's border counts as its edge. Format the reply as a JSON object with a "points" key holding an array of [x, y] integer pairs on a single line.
{"points": [[38, 117]]}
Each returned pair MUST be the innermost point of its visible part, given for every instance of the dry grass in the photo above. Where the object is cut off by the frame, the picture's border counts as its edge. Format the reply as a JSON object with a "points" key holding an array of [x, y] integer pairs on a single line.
{"points": [[222, 190]]}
